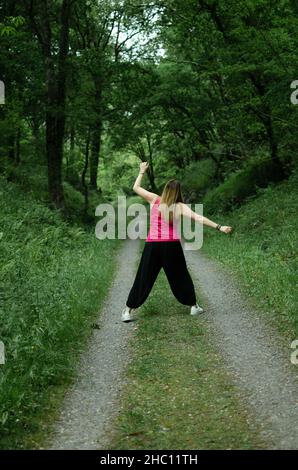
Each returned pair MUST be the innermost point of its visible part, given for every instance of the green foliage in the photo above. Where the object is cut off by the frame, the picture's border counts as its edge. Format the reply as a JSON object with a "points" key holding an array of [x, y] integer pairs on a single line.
{"points": [[197, 178], [10, 25], [262, 251], [53, 278], [117, 177], [73, 198], [30, 176], [211, 82], [240, 185]]}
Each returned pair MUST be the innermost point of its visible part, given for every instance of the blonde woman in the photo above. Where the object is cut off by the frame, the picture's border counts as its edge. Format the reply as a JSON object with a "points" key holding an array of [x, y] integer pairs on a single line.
{"points": [[163, 247]]}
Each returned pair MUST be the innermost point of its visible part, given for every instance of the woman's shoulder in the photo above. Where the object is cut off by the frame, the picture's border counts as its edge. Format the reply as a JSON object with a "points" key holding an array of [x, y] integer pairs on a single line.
{"points": [[155, 199]]}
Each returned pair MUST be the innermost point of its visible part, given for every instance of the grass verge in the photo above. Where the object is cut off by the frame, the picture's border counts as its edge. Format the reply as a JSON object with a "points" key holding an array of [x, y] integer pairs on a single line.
{"points": [[53, 279], [262, 252]]}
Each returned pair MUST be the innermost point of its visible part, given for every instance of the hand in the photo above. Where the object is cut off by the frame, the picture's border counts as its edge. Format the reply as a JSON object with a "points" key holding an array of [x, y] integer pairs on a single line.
{"points": [[143, 167], [226, 229]]}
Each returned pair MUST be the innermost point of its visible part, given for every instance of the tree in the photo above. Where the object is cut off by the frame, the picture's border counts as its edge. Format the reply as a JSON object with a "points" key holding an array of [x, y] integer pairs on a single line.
{"points": [[55, 48]]}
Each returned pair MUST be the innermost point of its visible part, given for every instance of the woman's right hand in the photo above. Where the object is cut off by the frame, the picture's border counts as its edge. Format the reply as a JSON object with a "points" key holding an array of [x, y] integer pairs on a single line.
{"points": [[226, 229], [143, 167]]}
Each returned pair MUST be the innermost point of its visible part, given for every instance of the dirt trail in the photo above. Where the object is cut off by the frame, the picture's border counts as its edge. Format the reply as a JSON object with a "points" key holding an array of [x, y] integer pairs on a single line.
{"points": [[93, 401], [259, 365]]}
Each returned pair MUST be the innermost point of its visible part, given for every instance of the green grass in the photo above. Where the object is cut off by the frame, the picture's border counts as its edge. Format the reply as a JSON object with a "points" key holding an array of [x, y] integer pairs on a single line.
{"points": [[262, 252], [53, 278], [178, 394]]}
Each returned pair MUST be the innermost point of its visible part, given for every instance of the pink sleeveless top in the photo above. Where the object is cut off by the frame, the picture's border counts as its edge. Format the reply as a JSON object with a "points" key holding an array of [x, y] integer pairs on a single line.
{"points": [[160, 230]]}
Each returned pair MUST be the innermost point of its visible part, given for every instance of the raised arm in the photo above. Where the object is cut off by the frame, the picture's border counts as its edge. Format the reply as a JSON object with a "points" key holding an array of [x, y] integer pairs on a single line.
{"points": [[138, 188], [187, 212]]}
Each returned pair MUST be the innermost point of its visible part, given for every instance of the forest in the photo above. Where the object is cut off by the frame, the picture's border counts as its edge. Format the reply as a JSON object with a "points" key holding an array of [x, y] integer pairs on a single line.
{"points": [[205, 91], [198, 89]]}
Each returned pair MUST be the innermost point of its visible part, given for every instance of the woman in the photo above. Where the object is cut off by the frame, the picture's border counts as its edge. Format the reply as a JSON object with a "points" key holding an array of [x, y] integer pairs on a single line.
{"points": [[163, 247]]}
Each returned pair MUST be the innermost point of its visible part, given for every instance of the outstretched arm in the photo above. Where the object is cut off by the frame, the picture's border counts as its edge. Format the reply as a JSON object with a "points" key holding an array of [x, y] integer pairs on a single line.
{"points": [[137, 186], [187, 212]]}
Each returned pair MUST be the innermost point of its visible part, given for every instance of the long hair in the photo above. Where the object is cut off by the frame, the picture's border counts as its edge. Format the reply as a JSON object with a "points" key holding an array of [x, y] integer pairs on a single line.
{"points": [[171, 194]]}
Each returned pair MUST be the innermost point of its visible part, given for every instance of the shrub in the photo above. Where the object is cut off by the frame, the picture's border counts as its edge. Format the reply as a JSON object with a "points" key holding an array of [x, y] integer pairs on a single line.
{"points": [[240, 185], [196, 178], [53, 277]]}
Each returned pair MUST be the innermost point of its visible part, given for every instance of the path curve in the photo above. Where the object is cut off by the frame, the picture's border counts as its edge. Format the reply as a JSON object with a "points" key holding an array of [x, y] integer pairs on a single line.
{"points": [[93, 401], [259, 364]]}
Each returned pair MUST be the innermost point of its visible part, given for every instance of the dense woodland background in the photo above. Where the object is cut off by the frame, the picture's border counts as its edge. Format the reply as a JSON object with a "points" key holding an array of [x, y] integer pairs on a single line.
{"points": [[198, 88]]}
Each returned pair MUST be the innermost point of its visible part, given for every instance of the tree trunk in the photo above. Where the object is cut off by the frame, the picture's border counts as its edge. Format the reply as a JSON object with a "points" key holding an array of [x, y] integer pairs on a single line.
{"points": [[96, 134], [11, 147], [95, 151], [18, 146], [71, 173], [151, 178], [53, 142], [38, 144], [150, 173], [56, 91], [72, 146], [56, 118], [85, 186]]}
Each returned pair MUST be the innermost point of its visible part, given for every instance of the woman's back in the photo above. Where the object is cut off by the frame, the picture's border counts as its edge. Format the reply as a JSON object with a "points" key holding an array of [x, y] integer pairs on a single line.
{"points": [[161, 230]]}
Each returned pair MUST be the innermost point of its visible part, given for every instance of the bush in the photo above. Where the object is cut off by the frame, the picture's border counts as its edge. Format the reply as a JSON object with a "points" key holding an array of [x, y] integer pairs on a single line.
{"points": [[196, 178], [240, 185], [74, 199], [262, 251], [53, 277]]}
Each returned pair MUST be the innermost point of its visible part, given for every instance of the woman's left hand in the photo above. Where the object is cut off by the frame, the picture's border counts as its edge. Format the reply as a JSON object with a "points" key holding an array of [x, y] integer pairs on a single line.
{"points": [[226, 229]]}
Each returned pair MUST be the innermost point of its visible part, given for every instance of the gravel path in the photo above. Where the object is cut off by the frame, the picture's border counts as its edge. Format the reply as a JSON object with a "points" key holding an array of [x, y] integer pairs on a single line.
{"points": [[93, 401], [258, 363]]}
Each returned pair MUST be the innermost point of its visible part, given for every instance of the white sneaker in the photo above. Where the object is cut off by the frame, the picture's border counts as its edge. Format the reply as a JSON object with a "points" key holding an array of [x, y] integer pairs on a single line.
{"points": [[196, 310], [127, 315]]}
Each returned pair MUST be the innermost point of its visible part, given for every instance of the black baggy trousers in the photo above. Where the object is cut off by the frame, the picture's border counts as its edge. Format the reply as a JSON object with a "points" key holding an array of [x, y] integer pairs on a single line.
{"points": [[170, 257]]}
